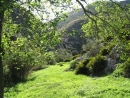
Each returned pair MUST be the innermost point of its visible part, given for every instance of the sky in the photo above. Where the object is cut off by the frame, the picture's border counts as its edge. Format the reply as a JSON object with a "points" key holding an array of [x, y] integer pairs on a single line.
{"points": [[90, 1], [47, 8]]}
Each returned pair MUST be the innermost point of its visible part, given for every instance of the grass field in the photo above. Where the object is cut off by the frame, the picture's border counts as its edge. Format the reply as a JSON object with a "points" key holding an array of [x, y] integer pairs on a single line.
{"points": [[55, 82]]}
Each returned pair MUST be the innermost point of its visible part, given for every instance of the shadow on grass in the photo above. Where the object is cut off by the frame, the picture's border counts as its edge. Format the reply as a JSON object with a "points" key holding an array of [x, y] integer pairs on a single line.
{"points": [[13, 86], [17, 81]]}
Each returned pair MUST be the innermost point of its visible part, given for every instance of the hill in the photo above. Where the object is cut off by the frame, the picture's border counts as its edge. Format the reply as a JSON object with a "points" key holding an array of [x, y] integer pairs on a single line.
{"points": [[74, 23]]}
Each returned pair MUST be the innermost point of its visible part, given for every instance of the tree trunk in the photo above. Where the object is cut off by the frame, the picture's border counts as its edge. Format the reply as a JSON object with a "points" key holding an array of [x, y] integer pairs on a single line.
{"points": [[1, 51]]}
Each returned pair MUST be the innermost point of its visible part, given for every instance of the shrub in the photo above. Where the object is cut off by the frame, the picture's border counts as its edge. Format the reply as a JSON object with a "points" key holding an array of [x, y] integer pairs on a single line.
{"points": [[126, 68], [108, 38], [18, 61], [17, 67], [123, 69], [62, 55], [106, 50], [97, 64], [7, 75], [73, 64], [68, 59], [118, 71], [49, 58], [76, 56], [91, 48], [82, 68]]}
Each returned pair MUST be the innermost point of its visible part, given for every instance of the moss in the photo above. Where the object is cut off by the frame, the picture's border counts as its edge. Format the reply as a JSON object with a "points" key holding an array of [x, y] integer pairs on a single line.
{"points": [[106, 50], [82, 67], [97, 64]]}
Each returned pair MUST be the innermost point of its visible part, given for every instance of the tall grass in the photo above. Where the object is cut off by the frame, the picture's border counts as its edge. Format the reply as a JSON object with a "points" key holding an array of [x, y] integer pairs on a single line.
{"points": [[55, 82]]}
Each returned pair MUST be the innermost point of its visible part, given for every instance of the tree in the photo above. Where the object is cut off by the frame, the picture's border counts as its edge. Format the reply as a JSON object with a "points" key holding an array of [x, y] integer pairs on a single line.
{"points": [[110, 20], [2, 9], [39, 7]]}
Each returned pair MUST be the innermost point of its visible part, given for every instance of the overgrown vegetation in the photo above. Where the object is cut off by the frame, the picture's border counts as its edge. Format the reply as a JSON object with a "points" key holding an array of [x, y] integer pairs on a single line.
{"points": [[97, 64], [24, 47], [82, 67], [106, 49], [54, 82], [30, 47]]}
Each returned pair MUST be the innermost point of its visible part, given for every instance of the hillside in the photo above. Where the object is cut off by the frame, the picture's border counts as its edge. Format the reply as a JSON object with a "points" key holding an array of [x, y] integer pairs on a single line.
{"points": [[55, 82], [71, 16], [74, 23], [73, 36]]}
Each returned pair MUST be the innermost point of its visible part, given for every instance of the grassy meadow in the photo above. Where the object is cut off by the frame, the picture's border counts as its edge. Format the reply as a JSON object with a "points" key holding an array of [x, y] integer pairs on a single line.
{"points": [[56, 82]]}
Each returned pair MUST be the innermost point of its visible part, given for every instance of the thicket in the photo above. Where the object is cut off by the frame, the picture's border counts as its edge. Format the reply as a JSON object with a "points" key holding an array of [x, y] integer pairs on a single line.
{"points": [[106, 49], [26, 44], [91, 48], [82, 67], [97, 65], [122, 69], [113, 29], [19, 60], [108, 40]]}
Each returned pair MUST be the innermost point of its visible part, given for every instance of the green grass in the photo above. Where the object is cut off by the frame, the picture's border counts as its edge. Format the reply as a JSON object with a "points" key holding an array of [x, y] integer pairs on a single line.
{"points": [[55, 82]]}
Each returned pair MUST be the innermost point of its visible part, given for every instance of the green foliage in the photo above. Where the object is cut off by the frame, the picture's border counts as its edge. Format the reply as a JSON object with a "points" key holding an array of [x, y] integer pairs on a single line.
{"points": [[106, 49], [18, 61], [111, 24], [119, 70], [49, 58], [76, 56], [63, 55], [97, 64], [82, 68], [126, 68], [125, 50], [68, 59], [92, 47], [19, 67], [108, 38], [28, 51], [123, 69], [73, 64]]}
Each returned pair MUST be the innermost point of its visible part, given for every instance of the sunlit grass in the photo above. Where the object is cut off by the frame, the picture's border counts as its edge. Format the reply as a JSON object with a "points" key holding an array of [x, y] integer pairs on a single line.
{"points": [[55, 82]]}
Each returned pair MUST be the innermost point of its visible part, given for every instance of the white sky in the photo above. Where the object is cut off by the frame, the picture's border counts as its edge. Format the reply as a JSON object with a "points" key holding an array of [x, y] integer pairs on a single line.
{"points": [[49, 8]]}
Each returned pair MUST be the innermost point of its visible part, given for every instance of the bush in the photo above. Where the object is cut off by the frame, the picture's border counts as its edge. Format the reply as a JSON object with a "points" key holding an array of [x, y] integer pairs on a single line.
{"points": [[118, 71], [108, 38], [7, 75], [76, 56], [18, 61], [82, 68], [126, 68], [123, 69], [62, 55], [17, 67], [49, 58], [73, 64], [106, 50], [91, 48], [97, 64], [68, 59]]}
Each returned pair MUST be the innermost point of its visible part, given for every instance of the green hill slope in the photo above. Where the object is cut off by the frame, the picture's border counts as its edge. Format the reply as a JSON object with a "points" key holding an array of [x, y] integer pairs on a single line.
{"points": [[55, 82]]}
